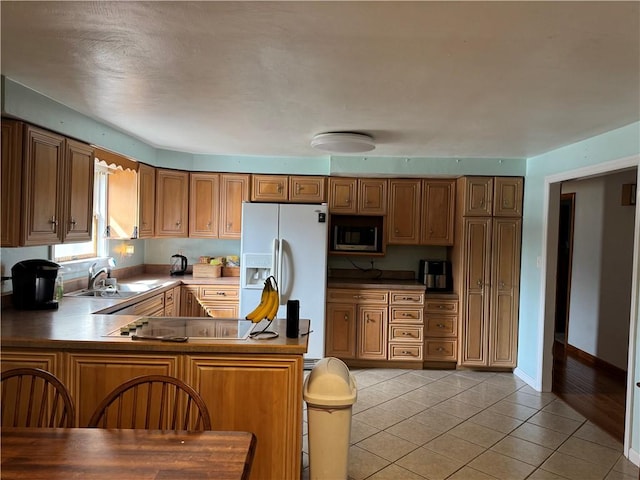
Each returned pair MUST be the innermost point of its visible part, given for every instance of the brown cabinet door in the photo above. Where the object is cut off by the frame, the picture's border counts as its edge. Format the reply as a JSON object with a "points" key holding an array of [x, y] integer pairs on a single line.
{"points": [[341, 330], [438, 205], [146, 201], [307, 189], [234, 189], [404, 212], [78, 192], [372, 332], [508, 192], [475, 313], [11, 177], [204, 205], [477, 196], [505, 275], [372, 196], [269, 188], [172, 203], [189, 304], [342, 195], [93, 376], [42, 199], [270, 385]]}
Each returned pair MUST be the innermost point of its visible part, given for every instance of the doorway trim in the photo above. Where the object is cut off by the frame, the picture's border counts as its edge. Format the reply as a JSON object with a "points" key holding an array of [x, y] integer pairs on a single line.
{"points": [[551, 207]]}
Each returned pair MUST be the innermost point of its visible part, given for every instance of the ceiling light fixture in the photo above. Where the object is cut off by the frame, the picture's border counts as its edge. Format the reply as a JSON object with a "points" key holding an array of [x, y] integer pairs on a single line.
{"points": [[343, 142]]}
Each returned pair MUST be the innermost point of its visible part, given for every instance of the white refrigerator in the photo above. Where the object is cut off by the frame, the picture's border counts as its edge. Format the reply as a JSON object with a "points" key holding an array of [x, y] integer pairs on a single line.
{"points": [[288, 241]]}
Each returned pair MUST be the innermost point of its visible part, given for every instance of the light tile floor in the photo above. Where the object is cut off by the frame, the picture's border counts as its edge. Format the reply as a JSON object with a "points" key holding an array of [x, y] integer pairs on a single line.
{"points": [[459, 425]]}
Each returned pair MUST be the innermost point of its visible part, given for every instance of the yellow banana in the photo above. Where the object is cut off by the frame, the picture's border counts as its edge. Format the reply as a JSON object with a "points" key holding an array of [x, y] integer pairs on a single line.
{"points": [[275, 302], [264, 306]]}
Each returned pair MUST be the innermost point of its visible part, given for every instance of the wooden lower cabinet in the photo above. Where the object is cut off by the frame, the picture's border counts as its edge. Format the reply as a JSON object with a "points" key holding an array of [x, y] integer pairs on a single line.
{"points": [[91, 376], [357, 324], [441, 328], [218, 301], [260, 394]]}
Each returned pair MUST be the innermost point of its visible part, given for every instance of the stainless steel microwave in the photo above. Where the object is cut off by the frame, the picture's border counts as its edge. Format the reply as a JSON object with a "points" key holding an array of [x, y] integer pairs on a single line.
{"points": [[356, 238]]}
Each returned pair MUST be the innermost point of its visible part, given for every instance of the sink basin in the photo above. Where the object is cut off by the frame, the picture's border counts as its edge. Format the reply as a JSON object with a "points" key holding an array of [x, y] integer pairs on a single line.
{"points": [[122, 290]]}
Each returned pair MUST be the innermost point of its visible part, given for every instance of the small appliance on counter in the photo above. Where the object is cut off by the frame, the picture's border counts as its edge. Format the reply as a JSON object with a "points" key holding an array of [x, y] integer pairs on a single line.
{"points": [[34, 284], [436, 275], [178, 265]]}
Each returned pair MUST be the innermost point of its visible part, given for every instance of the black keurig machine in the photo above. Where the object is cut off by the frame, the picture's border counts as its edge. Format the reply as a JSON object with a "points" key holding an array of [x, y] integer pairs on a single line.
{"points": [[34, 284], [436, 275]]}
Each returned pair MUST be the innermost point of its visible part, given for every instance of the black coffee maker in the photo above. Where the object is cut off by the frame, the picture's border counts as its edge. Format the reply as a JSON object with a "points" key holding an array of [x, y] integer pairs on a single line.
{"points": [[436, 275], [34, 284]]}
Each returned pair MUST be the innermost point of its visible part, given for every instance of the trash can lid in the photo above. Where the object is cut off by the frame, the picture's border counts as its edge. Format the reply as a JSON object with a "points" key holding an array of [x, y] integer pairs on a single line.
{"points": [[330, 384]]}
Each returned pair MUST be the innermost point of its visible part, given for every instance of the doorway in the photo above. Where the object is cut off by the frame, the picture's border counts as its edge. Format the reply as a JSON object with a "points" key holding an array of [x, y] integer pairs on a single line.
{"points": [[563, 275]]}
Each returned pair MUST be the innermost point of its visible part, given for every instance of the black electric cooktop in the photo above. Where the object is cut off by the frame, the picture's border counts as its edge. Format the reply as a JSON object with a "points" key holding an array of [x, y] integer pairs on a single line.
{"points": [[189, 327]]}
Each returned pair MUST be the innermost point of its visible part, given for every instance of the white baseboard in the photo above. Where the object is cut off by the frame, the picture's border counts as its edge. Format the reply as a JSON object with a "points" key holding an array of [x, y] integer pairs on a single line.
{"points": [[532, 382], [634, 457]]}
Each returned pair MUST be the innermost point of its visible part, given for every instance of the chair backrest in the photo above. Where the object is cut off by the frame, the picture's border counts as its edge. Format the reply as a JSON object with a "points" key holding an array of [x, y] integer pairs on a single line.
{"points": [[32, 397], [153, 402]]}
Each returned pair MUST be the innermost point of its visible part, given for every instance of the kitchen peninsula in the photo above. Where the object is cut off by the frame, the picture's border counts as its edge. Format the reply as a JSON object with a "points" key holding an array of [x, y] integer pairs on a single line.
{"points": [[248, 385]]}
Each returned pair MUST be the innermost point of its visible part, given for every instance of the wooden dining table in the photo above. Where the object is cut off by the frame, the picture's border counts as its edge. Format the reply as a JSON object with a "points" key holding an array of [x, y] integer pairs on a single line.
{"points": [[115, 454]]}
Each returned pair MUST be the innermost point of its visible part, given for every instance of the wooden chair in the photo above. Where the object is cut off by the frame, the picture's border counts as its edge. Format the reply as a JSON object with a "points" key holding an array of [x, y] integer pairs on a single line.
{"points": [[152, 402], [32, 397]]}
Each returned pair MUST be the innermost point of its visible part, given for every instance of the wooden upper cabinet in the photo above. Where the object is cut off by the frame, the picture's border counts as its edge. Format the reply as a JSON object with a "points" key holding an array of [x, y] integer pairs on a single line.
{"points": [[476, 194], [234, 189], [342, 195], [372, 196], [146, 201], [508, 194], [78, 194], [307, 189], [11, 176], [404, 211], [438, 208], [42, 198], [172, 203], [204, 205], [269, 188], [55, 175]]}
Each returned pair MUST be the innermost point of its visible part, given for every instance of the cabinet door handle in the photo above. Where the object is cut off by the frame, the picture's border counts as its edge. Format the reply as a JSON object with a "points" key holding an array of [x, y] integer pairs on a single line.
{"points": [[209, 224], [279, 188], [440, 325], [479, 282], [440, 349], [346, 317], [298, 188], [178, 223], [72, 223], [501, 284]]}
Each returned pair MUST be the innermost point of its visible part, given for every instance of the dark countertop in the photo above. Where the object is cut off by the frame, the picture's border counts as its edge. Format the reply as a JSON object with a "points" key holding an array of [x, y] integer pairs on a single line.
{"points": [[383, 283], [83, 323]]}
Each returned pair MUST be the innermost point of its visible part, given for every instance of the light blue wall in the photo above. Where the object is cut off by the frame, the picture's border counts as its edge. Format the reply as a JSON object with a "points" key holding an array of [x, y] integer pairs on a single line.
{"points": [[617, 144]]}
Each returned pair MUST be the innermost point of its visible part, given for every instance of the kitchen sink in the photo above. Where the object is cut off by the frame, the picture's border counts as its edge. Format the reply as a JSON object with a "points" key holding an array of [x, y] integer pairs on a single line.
{"points": [[122, 290]]}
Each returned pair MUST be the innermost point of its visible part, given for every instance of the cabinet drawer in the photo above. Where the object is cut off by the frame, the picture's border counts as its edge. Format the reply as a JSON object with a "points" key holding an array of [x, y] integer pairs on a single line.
{"points": [[357, 296], [405, 315], [441, 306], [440, 350], [436, 326], [168, 298], [403, 351], [153, 306], [405, 333], [217, 292], [406, 298]]}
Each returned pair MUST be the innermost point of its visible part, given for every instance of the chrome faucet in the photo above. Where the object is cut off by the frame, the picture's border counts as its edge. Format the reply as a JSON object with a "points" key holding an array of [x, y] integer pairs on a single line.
{"points": [[93, 275]]}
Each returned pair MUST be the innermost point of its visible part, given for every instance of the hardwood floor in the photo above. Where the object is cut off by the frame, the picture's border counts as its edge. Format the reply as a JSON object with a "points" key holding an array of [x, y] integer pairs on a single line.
{"points": [[595, 392]]}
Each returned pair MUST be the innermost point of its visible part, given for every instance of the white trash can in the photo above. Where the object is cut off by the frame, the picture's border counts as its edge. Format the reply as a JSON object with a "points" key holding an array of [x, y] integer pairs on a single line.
{"points": [[330, 392]]}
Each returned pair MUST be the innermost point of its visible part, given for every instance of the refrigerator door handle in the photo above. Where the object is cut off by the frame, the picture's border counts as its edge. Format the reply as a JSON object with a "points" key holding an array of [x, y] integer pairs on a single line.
{"points": [[274, 259], [280, 276]]}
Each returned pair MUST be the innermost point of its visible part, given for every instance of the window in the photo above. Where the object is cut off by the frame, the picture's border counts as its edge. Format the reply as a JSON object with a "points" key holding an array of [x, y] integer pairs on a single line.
{"points": [[97, 247]]}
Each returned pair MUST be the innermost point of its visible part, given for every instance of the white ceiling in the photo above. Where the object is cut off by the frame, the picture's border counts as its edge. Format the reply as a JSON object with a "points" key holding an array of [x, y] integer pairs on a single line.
{"points": [[427, 79]]}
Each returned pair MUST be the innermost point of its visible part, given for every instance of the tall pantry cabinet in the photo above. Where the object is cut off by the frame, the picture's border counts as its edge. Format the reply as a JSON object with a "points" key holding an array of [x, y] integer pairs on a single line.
{"points": [[486, 261]]}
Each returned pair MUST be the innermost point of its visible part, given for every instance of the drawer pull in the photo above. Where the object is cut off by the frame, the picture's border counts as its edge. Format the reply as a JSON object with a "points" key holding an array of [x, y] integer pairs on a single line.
{"points": [[440, 349], [440, 325], [346, 317], [406, 314], [407, 334], [405, 352], [221, 293]]}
